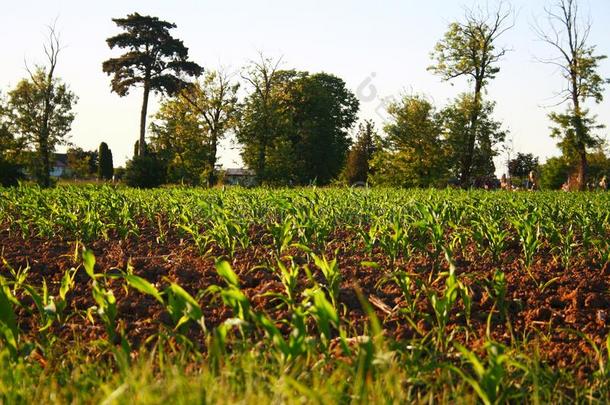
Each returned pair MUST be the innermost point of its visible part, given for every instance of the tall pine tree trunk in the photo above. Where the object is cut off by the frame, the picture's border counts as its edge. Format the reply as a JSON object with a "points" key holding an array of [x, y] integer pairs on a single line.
{"points": [[142, 142]]}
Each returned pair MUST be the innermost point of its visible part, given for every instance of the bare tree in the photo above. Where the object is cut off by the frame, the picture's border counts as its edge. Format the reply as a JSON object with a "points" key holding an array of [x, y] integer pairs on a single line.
{"points": [[469, 49], [568, 35], [41, 109], [52, 48]]}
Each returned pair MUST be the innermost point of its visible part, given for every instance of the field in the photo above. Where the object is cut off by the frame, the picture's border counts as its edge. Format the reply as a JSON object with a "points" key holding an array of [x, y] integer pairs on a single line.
{"points": [[316, 295]]}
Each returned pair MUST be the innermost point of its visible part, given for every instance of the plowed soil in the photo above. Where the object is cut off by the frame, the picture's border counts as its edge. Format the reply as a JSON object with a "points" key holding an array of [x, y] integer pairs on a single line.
{"points": [[538, 315]]}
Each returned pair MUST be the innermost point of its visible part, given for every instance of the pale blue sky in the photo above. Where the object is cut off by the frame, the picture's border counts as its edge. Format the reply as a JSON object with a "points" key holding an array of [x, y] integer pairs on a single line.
{"points": [[385, 44]]}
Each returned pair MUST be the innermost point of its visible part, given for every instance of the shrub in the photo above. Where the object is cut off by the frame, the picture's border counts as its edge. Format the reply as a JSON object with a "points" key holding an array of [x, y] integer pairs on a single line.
{"points": [[10, 174], [105, 167], [145, 172]]}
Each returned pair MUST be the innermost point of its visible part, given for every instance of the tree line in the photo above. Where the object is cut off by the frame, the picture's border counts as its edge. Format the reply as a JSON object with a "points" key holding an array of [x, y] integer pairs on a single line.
{"points": [[294, 127]]}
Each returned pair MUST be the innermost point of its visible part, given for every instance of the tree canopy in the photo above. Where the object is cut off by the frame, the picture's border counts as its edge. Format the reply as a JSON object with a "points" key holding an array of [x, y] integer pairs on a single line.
{"points": [[154, 60], [414, 155], [41, 115], [358, 167], [469, 49], [471, 150], [295, 125], [567, 34]]}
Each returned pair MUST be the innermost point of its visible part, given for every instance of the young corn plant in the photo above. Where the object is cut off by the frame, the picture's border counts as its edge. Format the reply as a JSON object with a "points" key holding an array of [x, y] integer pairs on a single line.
{"points": [[182, 307], [443, 304], [289, 276], [106, 307], [332, 275], [179, 304], [9, 331], [433, 218], [283, 234], [411, 288], [52, 309], [489, 378], [202, 241], [228, 235], [568, 245], [492, 235], [106, 310], [369, 236], [325, 316], [232, 295], [393, 240], [528, 229], [19, 275]]}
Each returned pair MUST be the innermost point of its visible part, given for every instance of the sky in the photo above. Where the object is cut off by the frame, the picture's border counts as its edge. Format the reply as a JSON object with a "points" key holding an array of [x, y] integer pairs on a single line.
{"points": [[381, 49]]}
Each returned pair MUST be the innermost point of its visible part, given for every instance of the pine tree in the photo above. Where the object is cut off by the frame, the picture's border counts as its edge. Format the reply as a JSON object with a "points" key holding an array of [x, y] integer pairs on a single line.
{"points": [[105, 167], [155, 60]]}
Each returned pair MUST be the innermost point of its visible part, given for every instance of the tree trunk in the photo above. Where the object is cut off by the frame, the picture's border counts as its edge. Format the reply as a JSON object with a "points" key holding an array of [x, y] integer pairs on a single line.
{"points": [[44, 178], [260, 164], [45, 175], [466, 171], [582, 171], [142, 143], [580, 130], [212, 161]]}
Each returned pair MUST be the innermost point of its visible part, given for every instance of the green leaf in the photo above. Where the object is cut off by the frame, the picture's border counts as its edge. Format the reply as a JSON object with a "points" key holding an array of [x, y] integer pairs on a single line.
{"points": [[8, 323], [226, 272], [143, 286], [89, 262]]}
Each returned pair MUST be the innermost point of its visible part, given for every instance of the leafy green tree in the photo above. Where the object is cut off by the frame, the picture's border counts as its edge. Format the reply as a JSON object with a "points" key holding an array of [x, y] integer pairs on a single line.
{"points": [[9, 145], [178, 139], [557, 170], [469, 49], [188, 128], [10, 170], [214, 100], [322, 111], [40, 111], [390, 168], [7, 139], [294, 127], [79, 163], [414, 153], [457, 134], [41, 114], [260, 123], [568, 35], [155, 60], [105, 167], [598, 164], [554, 173], [357, 168], [522, 165]]}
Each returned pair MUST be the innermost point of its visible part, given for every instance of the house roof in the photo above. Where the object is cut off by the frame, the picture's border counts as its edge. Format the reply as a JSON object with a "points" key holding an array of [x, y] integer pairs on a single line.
{"points": [[239, 172], [61, 159]]}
